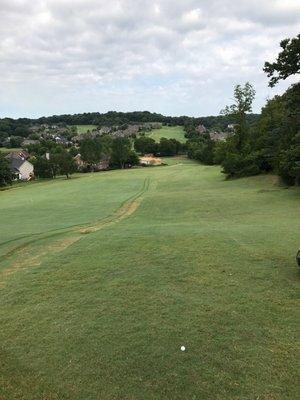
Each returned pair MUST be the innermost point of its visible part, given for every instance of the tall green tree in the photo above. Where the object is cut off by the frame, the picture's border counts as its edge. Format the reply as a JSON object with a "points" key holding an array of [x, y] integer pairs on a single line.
{"points": [[238, 159], [43, 168], [121, 149], [91, 150], [5, 172], [64, 163], [281, 129], [287, 62], [243, 99]]}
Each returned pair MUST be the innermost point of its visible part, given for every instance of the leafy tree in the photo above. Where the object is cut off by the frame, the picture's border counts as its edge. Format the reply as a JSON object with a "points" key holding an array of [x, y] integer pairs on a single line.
{"points": [[21, 131], [289, 164], [238, 160], [219, 152], [287, 63], [145, 145], [73, 151], [43, 168], [133, 158], [5, 172], [267, 135], [64, 163], [121, 149], [201, 148], [236, 165], [169, 147], [243, 98], [91, 150], [16, 141], [106, 143], [289, 149]]}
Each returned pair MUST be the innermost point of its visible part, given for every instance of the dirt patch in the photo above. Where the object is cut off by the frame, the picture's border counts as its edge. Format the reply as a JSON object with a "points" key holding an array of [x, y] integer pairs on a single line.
{"points": [[150, 160], [26, 260]]}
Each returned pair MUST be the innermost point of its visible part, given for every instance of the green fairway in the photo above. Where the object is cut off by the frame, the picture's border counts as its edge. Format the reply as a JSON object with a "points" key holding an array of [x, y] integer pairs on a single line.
{"points": [[9, 149], [85, 128], [104, 276], [168, 132]]}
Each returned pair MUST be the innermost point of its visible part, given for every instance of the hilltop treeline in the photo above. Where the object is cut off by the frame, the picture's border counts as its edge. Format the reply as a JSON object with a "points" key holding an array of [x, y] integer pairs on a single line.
{"points": [[112, 118]]}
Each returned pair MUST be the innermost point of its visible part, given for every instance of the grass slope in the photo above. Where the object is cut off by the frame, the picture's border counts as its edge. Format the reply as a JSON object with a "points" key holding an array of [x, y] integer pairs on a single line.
{"points": [[169, 132], [175, 255], [85, 128], [9, 150]]}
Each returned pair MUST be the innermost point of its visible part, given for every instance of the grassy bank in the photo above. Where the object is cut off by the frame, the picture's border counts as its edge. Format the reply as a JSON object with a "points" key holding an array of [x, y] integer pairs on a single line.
{"points": [[168, 132]]}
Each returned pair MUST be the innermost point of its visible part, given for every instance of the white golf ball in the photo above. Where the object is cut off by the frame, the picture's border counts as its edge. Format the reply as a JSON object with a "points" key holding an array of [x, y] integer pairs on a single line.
{"points": [[182, 348]]}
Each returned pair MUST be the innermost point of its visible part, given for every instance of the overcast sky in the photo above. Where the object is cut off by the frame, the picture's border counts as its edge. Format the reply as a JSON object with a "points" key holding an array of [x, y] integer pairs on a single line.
{"points": [[170, 56]]}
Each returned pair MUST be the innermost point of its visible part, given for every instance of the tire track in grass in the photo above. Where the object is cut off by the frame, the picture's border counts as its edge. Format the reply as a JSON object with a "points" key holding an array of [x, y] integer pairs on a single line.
{"points": [[126, 209], [61, 239]]}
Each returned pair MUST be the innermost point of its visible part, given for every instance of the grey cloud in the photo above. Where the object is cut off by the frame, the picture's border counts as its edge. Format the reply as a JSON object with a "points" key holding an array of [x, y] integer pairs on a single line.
{"points": [[181, 52]]}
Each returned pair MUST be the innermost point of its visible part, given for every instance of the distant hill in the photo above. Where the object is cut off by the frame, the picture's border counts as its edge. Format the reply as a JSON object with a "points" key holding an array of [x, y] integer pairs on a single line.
{"points": [[20, 127]]}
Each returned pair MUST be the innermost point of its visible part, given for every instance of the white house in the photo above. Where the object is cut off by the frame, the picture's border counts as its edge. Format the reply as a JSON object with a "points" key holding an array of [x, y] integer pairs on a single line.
{"points": [[20, 167]]}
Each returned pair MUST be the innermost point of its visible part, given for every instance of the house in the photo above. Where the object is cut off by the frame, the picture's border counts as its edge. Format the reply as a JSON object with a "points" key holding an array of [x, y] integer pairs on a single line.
{"points": [[20, 167], [201, 129], [61, 140], [219, 136], [100, 166], [28, 142], [18, 154], [231, 126], [79, 161], [105, 130]]}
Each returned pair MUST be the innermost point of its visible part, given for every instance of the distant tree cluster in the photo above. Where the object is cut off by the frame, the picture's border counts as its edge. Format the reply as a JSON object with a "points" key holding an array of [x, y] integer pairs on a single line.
{"points": [[165, 147], [117, 152], [17, 129], [50, 165]]}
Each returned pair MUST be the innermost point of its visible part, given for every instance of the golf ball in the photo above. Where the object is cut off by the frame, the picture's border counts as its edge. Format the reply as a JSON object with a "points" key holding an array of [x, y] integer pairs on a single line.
{"points": [[182, 348]]}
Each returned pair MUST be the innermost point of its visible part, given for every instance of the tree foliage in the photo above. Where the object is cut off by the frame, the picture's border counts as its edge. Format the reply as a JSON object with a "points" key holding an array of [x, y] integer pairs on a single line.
{"points": [[272, 144], [145, 145], [5, 172], [91, 150], [121, 152], [64, 163], [287, 62], [201, 148], [243, 98], [60, 162]]}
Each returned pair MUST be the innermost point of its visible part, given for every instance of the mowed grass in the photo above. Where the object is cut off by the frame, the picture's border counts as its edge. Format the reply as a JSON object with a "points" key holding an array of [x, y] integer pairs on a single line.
{"points": [[85, 128], [168, 132], [7, 150], [199, 261]]}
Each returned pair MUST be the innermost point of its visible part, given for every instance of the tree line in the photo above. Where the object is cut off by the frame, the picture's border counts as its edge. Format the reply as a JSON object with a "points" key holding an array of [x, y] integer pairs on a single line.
{"points": [[269, 144]]}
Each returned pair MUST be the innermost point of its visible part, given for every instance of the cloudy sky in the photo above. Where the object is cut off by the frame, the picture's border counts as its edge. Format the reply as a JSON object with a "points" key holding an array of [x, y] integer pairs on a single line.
{"points": [[170, 56]]}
